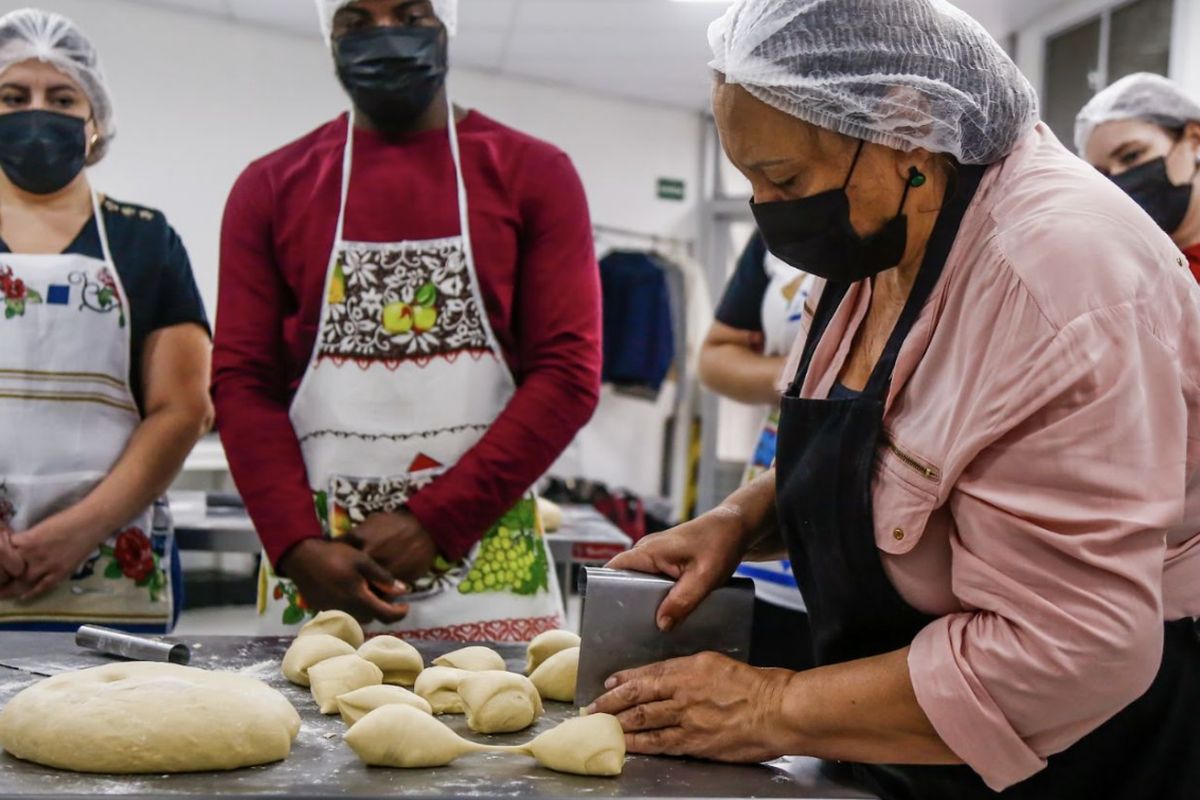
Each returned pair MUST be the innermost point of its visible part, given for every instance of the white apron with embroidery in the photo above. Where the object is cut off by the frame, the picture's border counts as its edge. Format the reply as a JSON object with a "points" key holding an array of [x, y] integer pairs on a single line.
{"points": [[783, 320], [67, 413], [405, 378]]}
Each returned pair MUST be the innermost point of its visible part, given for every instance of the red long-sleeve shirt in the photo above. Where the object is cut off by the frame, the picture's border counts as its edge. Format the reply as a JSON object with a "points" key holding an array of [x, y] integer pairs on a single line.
{"points": [[536, 262]]}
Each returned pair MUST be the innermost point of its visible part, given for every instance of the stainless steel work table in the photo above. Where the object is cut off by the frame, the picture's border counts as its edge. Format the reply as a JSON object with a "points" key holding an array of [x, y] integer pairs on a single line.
{"points": [[321, 765]]}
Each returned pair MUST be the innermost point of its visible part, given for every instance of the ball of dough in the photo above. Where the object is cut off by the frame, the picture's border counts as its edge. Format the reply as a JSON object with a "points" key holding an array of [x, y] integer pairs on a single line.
{"points": [[134, 718], [551, 514], [547, 644], [309, 650], [499, 702], [472, 659], [357, 704], [591, 745], [556, 677], [439, 686], [341, 675], [402, 736], [399, 660], [335, 623]]}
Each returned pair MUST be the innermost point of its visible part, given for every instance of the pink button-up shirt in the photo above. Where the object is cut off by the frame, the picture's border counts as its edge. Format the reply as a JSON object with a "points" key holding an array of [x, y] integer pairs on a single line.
{"points": [[1039, 491]]}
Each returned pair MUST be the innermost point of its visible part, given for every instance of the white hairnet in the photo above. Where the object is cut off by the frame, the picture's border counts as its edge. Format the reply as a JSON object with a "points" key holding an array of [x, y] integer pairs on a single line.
{"points": [[918, 73], [446, 10], [1144, 96], [30, 33]]}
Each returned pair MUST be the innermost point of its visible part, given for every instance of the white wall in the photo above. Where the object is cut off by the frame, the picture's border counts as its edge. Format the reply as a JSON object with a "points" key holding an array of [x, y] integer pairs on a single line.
{"points": [[198, 98]]}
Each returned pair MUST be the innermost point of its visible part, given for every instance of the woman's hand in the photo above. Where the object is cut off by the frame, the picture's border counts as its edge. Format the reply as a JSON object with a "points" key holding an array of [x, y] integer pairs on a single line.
{"points": [[700, 555], [706, 706], [12, 565], [52, 551]]}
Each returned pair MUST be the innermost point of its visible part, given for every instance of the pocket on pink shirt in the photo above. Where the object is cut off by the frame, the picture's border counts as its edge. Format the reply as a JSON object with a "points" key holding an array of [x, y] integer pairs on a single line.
{"points": [[904, 495]]}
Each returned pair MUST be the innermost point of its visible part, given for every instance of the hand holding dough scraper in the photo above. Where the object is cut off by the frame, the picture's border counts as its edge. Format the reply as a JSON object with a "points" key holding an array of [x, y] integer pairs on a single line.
{"points": [[619, 628]]}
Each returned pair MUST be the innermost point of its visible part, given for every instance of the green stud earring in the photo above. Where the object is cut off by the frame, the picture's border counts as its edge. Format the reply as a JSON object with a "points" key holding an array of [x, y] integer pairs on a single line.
{"points": [[915, 179]]}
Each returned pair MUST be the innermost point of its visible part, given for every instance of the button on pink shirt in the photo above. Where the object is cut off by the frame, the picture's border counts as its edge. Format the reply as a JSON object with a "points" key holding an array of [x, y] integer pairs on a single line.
{"points": [[1040, 490]]}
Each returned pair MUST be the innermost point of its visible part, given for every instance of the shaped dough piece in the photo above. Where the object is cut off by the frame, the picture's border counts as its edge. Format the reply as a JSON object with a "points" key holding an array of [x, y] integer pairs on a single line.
{"points": [[399, 660], [499, 702], [551, 514], [591, 745], [309, 650], [357, 704], [555, 679], [472, 659], [401, 736], [546, 645], [334, 677], [335, 623], [134, 718], [439, 686]]}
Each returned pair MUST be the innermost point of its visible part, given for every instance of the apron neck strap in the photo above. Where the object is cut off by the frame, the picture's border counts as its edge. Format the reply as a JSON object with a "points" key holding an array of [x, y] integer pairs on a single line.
{"points": [[102, 231], [455, 154]]}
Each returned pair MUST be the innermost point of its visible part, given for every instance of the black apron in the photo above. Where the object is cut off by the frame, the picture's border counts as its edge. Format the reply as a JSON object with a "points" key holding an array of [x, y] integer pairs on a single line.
{"points": [[824, 467]]}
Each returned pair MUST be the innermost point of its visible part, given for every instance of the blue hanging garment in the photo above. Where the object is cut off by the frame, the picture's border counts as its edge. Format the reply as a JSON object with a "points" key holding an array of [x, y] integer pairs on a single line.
{"points": [[639, 340]]}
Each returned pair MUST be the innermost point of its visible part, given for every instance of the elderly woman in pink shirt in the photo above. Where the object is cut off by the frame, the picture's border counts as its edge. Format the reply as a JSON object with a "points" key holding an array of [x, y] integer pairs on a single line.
{"points": [[988, 474]]}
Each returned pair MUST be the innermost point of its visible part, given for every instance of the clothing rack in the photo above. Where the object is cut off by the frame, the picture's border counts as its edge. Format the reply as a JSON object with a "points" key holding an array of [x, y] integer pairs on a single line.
{"points": [[687, 246]]}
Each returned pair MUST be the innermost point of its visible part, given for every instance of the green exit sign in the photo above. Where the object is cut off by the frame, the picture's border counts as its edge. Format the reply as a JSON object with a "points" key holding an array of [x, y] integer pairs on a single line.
{"points": [[670, 189]]}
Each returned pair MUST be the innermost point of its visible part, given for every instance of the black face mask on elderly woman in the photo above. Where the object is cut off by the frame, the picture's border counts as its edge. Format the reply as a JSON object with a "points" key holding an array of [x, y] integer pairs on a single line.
{"points": [[392, 74], [814, 234]]}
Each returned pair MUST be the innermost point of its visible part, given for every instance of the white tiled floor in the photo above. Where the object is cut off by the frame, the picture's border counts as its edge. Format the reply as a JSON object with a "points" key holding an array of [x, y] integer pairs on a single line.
{"points": [[240, 620]]}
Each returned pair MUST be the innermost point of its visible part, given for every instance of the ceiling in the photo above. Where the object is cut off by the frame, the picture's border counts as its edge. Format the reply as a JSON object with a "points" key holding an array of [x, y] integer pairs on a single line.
{"points": [[650, 50]]}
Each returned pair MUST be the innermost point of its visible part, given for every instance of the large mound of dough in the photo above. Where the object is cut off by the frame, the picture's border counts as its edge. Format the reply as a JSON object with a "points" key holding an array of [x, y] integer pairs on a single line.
{"points": [[149, 718]]}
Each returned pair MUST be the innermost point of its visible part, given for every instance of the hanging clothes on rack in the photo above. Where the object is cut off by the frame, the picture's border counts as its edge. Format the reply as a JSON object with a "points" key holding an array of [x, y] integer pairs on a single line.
{"points": [[639, 330]]}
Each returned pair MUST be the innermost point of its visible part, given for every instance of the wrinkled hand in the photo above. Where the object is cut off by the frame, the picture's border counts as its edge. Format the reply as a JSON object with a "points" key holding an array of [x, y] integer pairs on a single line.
{"points": [[706, 706], [700, 555], [338, 576], [52, 551], [398, 542], [12, 565]]}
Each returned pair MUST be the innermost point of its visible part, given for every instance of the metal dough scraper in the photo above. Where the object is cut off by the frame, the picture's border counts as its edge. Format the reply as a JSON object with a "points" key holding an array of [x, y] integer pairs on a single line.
{"points": [[619, 631]]}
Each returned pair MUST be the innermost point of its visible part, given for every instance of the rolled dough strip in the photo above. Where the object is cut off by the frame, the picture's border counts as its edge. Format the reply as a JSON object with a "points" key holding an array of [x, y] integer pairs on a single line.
{"points": [[335, 623], [399, 660], [355, 705], [547, 644], [555, 679]]}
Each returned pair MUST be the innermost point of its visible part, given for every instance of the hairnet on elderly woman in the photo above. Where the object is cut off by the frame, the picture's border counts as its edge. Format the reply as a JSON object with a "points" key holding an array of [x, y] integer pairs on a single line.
{"points": [[32, 34], [912, 74]]}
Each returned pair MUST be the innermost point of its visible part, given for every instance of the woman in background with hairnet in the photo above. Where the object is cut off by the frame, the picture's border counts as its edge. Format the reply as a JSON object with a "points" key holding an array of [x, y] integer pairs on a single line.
{"points": [[104, 363], [1144, 133], [987, 460]]}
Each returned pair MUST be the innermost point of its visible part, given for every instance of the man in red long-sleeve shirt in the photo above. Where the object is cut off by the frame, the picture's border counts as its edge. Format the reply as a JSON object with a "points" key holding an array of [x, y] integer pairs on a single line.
{"points": [[406, 340]]}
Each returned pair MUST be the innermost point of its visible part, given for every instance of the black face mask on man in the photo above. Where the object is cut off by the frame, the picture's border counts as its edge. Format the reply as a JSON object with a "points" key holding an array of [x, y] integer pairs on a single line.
{"points": [[41, 152], [1151, 188], [814, 234], [392, 74]]}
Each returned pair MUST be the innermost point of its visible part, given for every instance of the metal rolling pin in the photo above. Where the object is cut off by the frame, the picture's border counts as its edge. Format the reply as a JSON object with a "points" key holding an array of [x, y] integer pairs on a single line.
{"points": [[136, 648]]}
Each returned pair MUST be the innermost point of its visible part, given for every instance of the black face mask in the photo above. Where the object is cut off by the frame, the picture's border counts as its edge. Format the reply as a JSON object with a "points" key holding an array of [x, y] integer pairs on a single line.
{"points": [[41, 152], [392, 74], [1151, 188], [814, 234]]}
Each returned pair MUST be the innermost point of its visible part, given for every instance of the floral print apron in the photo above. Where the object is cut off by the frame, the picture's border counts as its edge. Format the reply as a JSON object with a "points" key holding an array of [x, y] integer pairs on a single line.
{"points": [[67, 412], [405, 378]]}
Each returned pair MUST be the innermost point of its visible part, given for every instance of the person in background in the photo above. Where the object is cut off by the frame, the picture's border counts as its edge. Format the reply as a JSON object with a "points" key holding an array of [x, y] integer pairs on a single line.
{"points": [[761, 314], [408, 336], [988, 473], [105, 364], [1144, 133]]}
